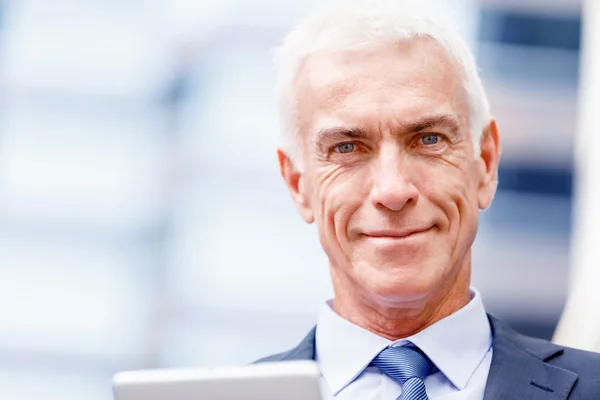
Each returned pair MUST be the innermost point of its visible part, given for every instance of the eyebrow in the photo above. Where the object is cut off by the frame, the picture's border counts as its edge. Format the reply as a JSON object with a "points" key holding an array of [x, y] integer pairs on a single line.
{"points": [[422, 124], [338, 134]]}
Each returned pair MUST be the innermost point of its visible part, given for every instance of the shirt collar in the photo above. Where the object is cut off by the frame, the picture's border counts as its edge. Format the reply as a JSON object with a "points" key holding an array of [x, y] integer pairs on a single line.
{"points": [[455, 350]]}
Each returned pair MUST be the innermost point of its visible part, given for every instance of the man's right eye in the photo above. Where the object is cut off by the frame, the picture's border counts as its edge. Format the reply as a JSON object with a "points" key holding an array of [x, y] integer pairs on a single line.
{"points": [[345, 148]]}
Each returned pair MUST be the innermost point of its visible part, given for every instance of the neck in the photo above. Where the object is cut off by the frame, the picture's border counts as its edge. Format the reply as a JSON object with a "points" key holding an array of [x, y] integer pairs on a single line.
{"points": [[398, 319]]}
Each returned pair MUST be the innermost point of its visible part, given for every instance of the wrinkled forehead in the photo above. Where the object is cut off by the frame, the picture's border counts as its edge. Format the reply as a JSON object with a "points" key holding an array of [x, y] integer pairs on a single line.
{"points": [[404, 79]]}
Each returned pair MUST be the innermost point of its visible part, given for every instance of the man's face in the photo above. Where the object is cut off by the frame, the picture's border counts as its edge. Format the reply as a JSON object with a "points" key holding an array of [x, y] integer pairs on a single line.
{"points": [[390, 175]]}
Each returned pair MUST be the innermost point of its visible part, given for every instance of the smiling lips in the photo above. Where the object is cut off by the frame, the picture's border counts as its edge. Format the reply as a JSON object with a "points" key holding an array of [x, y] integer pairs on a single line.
{"points": [[396, 233]]}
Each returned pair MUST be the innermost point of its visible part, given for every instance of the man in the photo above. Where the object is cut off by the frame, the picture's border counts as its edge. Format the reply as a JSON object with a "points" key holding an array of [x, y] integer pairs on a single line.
{"points": [[391, 150]]}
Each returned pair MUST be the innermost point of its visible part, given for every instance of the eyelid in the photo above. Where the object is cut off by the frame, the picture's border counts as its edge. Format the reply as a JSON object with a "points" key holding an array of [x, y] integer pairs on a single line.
{"points": [[421, 134]]}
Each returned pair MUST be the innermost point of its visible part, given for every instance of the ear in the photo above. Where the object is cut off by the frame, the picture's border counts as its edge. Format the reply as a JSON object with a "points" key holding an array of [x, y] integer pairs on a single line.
{"points": [[294, 180], [489, 160]]}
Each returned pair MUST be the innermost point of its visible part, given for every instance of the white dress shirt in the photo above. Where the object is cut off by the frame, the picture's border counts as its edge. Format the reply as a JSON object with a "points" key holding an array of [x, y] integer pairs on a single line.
{"points": [[459, 345]]}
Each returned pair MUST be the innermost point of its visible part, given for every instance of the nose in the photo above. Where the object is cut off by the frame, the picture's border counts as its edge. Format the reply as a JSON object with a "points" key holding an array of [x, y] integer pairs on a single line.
{"points": [[393, 187]]}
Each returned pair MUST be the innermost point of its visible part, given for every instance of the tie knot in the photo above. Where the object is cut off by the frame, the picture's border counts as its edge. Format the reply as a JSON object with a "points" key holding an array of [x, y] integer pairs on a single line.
{"points": [[403, 363]]}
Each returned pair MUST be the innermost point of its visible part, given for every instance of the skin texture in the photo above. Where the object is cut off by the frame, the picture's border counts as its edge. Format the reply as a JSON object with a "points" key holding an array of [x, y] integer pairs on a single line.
{"points": [[392, 181]]}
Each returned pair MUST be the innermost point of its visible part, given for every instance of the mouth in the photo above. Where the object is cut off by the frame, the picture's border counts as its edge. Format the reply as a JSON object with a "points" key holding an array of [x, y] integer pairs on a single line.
{"points": [[398, 234]]}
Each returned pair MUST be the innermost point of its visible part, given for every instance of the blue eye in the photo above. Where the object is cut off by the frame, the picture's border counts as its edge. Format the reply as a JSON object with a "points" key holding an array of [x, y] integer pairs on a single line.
{"points": [[430, 139], [345, 148]]}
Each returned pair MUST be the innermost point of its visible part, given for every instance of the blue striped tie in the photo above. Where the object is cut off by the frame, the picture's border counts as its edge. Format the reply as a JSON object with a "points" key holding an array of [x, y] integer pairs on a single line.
{"points": [[407, 365]]}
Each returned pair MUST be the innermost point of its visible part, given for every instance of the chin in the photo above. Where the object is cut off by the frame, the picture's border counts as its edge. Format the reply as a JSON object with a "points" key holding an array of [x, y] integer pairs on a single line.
{"points": [[400, 283]]}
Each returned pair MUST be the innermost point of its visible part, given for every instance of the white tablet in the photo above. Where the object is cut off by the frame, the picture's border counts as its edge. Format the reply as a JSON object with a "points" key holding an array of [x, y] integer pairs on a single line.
{"points": [[290, 380]]}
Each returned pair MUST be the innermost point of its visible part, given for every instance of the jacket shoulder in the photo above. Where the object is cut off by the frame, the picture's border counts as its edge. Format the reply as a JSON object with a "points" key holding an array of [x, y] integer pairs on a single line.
{"points": [[274, 357], [572, 358], [304, 351]]}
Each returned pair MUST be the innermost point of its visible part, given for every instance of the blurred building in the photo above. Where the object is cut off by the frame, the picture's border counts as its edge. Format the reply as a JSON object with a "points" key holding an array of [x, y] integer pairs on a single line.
{"points": [[143, 222]]}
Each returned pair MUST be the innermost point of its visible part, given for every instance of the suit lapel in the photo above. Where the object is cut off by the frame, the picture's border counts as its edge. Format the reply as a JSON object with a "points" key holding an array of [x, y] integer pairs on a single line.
{"points": [[520, 371]]}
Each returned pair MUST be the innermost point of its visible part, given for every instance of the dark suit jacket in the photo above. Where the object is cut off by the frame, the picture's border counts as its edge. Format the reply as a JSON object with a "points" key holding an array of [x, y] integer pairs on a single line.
{"points": [[523, 368]]}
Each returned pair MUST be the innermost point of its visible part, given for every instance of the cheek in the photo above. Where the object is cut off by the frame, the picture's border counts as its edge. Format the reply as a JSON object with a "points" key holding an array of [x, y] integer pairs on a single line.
{"points": [[340, 194], [455, 208], [453, 191]]}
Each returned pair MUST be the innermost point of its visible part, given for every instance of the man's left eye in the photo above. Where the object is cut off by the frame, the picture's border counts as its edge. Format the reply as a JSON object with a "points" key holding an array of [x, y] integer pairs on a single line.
{"points": [[430, 138], [345, 147]]}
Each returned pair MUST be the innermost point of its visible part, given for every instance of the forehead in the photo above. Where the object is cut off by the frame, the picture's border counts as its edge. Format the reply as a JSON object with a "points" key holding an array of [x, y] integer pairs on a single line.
{"points": [[391, 82]]}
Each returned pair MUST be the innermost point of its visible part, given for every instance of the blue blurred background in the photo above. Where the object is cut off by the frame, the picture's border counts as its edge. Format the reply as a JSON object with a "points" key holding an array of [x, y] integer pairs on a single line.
{"points": [[143, 222]]}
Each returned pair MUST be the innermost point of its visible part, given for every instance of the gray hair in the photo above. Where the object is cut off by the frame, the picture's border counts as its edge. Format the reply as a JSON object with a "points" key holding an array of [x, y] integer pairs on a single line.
{"points": [[357, 26]]}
